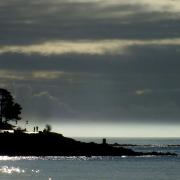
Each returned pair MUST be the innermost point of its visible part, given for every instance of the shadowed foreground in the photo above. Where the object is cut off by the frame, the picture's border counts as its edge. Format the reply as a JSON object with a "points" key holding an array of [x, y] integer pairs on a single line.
{"points": [[53, 144]]}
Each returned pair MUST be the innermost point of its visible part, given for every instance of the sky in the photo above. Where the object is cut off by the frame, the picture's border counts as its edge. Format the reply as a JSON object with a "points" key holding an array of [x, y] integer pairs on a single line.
{"points": [[94, 67]]}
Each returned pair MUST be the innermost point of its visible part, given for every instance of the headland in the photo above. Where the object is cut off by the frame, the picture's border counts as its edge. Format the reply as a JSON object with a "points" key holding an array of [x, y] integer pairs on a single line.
{"points": [[45, 143]]}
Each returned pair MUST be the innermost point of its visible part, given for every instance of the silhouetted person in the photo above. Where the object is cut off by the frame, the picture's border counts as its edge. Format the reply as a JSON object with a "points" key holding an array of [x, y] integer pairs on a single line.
{"points": [[37, 128], [34, 129]]}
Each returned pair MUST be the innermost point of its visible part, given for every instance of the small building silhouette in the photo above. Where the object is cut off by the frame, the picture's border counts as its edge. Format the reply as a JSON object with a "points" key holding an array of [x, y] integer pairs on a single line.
{"points": [[104, 141]]}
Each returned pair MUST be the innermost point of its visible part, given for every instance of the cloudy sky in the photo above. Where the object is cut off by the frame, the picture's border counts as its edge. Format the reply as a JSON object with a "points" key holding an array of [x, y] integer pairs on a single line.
{"points": [[94, 67]]}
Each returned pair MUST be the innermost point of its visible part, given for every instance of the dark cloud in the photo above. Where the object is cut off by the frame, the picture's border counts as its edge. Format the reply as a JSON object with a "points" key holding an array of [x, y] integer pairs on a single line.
{"points": [[35, 21], [139, 85], [142, 86]]}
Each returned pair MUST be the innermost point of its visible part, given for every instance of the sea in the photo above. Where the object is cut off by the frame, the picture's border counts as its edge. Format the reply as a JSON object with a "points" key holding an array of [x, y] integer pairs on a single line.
{"points": [[99, 168]]}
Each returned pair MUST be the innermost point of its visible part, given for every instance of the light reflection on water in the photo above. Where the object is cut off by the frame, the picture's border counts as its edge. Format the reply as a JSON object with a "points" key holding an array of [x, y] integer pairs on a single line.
{"points": [[10, 170], [91, 168], [73, 158], [5, 169], [16, 158], [31, 158], [16, 170]]}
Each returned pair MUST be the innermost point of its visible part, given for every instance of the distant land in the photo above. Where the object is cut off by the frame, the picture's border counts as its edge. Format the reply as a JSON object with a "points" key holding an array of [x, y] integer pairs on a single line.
{"points": [[53, 144]]}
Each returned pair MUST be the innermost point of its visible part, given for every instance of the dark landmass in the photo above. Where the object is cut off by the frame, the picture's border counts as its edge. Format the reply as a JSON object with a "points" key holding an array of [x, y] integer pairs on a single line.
{"points": [[15, 141], [53, 144]]}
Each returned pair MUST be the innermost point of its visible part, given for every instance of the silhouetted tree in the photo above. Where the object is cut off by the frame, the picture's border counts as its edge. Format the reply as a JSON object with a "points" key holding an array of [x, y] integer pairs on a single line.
{"points": [[48, 128], [9, 110]]}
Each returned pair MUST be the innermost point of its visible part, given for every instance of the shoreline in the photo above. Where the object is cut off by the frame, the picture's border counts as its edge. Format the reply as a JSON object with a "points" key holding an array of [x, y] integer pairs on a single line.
{"points": [[54, 144]]}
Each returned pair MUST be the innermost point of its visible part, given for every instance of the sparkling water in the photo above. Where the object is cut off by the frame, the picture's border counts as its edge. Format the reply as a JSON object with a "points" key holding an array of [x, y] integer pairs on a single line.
{"points": [[98, 168]]}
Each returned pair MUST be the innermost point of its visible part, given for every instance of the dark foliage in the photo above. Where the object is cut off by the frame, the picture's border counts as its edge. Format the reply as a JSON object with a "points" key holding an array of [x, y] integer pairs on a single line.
{"points": [[9, 110]]}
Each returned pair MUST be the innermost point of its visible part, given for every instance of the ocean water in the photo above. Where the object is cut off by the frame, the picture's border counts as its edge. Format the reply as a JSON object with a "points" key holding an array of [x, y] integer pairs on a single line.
{"points": [[98, 168], [143, 144]]}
